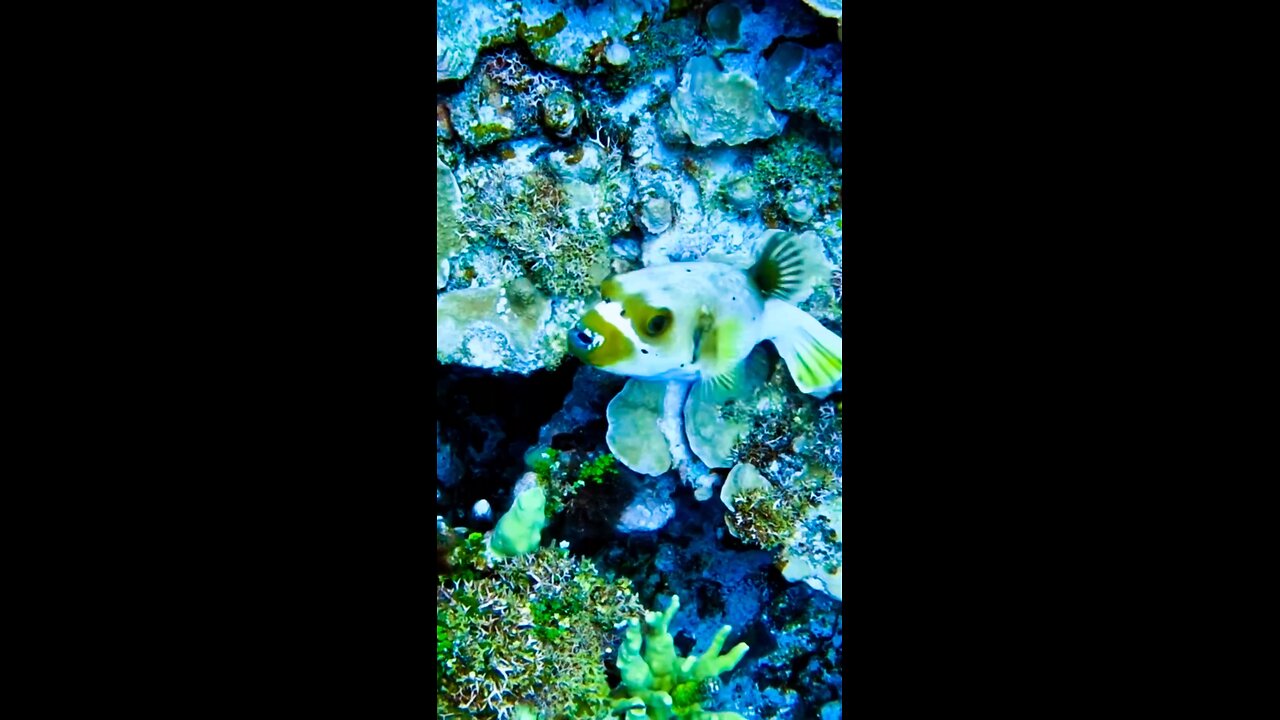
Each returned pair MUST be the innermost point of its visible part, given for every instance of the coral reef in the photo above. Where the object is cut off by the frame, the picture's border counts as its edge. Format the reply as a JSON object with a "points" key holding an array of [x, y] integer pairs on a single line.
{"points": [[801, 80], [494, 327], [785, 492], [525, 636], [579, 140]]}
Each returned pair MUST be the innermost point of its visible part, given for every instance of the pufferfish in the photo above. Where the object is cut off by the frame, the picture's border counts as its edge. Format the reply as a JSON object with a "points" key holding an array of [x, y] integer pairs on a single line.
{"points": [[698, 321]]}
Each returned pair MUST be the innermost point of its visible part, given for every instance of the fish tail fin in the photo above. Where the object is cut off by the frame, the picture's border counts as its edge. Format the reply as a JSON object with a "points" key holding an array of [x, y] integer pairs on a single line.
{"points": [[788, 265], [814, 355]]}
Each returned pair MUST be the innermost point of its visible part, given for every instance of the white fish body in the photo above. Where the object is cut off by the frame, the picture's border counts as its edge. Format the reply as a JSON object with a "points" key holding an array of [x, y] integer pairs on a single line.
{"points": [[698, 321]]}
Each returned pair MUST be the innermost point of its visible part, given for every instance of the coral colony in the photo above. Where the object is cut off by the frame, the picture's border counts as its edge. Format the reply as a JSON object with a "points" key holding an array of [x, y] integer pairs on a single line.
{"points": [[639, 219]]}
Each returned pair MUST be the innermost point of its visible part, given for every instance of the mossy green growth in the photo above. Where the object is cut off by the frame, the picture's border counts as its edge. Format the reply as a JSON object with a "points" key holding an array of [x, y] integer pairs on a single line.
{"points": [[487, 133], [448, 226], [527, 636], [795, 160], [543, 31], [541, 461], [558, 235], [597, 470], [758, 513], [659, 684], [468, 557], [563, 474]]}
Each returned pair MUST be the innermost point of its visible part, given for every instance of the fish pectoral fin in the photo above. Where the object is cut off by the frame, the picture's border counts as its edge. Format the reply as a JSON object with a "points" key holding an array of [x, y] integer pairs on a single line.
{"points": [[736, 382], [814, 355], [715, 389]]}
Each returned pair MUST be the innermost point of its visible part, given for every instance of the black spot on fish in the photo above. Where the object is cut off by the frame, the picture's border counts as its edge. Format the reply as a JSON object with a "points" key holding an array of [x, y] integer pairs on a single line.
{"points": [[623, 313], [688, 269], [646, 352]]}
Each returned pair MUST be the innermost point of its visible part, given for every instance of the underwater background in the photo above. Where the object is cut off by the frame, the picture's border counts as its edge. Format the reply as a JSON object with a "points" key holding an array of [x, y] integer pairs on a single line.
{"points": [[614, 545]]}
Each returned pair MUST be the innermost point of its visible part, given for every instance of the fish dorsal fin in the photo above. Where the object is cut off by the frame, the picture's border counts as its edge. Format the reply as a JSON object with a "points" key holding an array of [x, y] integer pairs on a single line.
{"points": [[788, 265]]}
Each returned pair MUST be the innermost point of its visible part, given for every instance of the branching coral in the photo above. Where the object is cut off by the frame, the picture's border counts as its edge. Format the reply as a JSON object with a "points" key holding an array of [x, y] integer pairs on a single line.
{"points": [[659, 684]]}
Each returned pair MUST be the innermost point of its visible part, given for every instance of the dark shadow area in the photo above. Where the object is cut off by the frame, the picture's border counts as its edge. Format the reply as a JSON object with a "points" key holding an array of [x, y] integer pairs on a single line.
{"points": [[485, 423]]}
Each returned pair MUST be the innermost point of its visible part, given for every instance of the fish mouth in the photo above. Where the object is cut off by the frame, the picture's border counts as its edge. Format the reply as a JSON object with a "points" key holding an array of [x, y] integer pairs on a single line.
{"points": [[582, 340]]}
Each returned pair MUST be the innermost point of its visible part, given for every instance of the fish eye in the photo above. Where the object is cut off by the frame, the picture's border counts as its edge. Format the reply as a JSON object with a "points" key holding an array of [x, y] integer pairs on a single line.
{"points": [[657, 324]]}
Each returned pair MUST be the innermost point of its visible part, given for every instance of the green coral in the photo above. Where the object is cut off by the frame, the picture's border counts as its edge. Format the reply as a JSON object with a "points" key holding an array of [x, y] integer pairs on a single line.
{"points": [[525, 637], [520, 530], [659, 684]]}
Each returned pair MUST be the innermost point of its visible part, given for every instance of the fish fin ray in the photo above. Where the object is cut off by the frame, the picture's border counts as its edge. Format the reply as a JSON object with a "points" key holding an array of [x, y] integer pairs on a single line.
{"points": [[789, 265], [814, 355], [738, 381]]}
